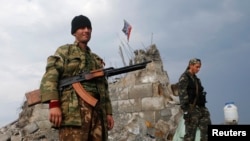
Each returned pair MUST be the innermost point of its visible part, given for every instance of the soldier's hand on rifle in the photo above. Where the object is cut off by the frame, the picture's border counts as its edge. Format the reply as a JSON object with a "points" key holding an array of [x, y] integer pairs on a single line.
{"points": [[55, 116]]}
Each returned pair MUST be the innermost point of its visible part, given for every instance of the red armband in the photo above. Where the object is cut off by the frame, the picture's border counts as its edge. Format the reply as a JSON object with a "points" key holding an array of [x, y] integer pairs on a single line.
{"points": [[54, 104]]}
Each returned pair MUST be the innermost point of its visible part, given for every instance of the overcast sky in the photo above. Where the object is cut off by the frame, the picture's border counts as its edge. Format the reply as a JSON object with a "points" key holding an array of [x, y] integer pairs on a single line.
{"points": [[216, 31]]}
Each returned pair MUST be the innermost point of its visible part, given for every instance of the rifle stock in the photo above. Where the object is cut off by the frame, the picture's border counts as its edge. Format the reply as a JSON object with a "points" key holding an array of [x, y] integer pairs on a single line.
{"points": [[34, 97]]}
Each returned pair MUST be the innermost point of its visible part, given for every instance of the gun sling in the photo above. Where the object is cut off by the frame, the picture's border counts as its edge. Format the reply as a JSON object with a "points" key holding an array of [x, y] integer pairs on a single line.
{"points": [[84, 94]]}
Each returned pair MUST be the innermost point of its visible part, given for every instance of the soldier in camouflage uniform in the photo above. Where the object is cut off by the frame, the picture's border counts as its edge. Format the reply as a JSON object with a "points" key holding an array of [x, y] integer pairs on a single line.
{"points": [[192, 100], [76, 119]]}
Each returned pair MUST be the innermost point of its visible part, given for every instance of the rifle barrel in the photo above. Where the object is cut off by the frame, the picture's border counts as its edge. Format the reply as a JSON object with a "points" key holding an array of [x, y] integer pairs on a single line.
{"points": [[126, 69]]}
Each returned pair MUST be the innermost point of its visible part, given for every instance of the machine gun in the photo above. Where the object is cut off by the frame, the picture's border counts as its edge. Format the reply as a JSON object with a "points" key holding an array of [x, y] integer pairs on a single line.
{"points": [[84, 76], [35, 98]]}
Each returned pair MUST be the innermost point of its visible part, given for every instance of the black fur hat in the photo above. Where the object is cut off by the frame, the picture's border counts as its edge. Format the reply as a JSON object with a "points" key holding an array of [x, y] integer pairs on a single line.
{"points": [[78, 22]]}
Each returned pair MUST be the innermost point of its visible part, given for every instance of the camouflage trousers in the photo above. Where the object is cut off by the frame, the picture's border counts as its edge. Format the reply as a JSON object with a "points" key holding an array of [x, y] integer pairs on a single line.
{"points": [[91, 129], [199, 117]]}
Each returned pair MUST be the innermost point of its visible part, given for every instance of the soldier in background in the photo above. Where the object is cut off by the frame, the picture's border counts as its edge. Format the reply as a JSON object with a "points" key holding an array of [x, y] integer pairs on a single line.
{"points": [[74, 117], [192, 100]]}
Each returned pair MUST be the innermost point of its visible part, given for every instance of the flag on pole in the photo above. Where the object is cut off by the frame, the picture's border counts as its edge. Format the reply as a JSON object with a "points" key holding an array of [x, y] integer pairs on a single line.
{"points": [[127, 29]]}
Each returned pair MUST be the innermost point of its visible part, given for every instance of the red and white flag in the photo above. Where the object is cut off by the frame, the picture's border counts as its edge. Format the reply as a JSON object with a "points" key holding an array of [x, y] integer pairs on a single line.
{"points": [[127, 29]]}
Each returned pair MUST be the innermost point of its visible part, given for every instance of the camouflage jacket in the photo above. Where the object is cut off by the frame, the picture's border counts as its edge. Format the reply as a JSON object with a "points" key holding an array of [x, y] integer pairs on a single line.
{"points": [[188, 90], [70, 60]]}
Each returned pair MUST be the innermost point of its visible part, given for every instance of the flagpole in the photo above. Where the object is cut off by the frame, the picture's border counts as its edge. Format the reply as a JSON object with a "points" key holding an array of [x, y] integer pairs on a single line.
{"points": [[121, 53], [152, 38]]}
